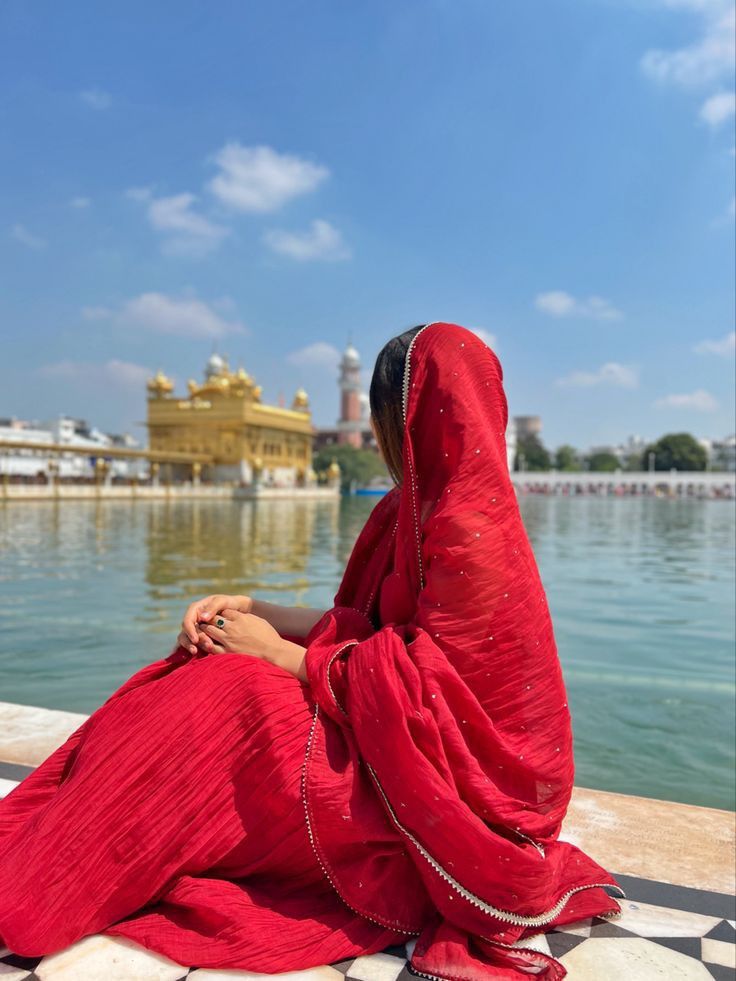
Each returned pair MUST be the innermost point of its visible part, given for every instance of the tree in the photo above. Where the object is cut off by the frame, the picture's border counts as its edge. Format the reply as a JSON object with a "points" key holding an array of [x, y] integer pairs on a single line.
{"points": [[536, 456], [680, 451], [631, 463], [603, 462], [566, 458], [355, 465]]}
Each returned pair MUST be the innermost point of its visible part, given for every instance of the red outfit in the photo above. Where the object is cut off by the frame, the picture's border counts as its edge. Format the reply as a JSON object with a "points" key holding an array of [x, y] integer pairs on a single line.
{"points": [[422, 776]]}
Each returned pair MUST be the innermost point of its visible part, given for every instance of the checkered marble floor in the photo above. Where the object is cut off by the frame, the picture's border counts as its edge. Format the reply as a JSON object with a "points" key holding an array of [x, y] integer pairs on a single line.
{"points": [[666, 932]]}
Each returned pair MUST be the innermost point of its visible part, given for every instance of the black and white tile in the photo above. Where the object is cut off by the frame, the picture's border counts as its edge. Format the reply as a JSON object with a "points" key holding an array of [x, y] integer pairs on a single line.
{"points": [[665, 933]]}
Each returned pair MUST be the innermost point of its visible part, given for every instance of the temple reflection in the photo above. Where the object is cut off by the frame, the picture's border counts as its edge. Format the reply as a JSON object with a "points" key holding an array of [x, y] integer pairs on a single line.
{"points": [[198, 547]]}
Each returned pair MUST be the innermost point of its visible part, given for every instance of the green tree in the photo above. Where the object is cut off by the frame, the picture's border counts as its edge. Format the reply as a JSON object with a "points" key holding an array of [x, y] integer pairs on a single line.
{"points": [[631, 462], [536, 455], [680, 451], [355, 465], [603, 462], [566, 458]]}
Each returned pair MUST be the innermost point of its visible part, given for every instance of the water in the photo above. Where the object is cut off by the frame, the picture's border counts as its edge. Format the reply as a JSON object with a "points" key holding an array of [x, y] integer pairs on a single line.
{"points": [[641, 592]]}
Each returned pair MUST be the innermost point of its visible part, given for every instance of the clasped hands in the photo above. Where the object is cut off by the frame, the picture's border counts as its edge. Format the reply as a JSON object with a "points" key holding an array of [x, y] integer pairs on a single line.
{"points": [[243, 632]]}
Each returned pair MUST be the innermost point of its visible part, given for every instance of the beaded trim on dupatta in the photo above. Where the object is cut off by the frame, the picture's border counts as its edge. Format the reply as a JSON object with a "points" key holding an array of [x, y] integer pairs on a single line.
{"points": [[504, 916]]}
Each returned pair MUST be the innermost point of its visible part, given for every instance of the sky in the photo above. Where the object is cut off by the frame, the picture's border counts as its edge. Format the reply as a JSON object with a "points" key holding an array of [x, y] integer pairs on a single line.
{"points": [[273, 178]]}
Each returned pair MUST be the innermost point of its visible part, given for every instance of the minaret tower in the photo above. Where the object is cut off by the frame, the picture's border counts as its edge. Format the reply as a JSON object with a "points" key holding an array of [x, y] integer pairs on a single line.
{"points": [[350, 424]]}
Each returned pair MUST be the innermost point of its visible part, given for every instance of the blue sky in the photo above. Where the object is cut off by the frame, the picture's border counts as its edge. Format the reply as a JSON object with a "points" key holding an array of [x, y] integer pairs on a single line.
{"points": [[271, 177]]}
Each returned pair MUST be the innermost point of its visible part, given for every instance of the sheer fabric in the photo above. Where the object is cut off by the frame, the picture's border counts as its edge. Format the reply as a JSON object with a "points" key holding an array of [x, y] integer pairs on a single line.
{"points": [[439, 691]]}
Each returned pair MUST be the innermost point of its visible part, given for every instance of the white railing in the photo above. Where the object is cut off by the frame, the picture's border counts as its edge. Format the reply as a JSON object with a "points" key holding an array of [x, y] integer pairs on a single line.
{"points": [[672, 483]]}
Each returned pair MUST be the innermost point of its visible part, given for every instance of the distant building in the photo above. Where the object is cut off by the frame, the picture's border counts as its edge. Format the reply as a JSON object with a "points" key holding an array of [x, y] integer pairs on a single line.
{"points": [[511, 443], [527, 426], [63, 431], [353, 426], [721, 453], [353, 421], [633, 447], [224, 416]]}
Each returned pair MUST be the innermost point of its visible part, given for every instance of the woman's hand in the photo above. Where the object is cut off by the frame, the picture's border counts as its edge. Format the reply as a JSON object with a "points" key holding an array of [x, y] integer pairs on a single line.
{"points": [[244, 633], [191, 636]]}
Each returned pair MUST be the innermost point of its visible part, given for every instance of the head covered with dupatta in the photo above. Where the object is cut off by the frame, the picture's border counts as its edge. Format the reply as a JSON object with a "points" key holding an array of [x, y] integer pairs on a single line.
{"points": [[436, 671]]}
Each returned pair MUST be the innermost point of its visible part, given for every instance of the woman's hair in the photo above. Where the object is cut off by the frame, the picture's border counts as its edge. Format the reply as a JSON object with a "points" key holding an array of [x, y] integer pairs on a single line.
{"points": [[386, 394]]}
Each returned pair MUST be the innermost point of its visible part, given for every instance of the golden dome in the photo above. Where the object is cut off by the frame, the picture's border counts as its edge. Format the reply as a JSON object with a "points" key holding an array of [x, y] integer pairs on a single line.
{"points": [[334, 469], [257, 390], [160, 385]]}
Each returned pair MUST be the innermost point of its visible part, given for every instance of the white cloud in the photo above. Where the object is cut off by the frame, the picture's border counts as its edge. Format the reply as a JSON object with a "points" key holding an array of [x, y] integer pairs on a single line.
{"points": [[699, 400], [726, 217], [558, 303], [21, 234], [178, 316], [321, 354], [611, 373], [485, 336], [718, 108], [96, 313], [725, 346], [706, 60], [698, 5], [96, 98], [186, 231], [80, 203], [258, 179], [122, 373], [139, 193], [321, 241]]}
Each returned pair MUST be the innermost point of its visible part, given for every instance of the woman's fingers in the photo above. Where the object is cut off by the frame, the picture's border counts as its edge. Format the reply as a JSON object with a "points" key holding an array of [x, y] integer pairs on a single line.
{"points": [[203, 641], [215, 633], [211, 606], [184, 640], [199, 615], [210, 614], [193, 613]]}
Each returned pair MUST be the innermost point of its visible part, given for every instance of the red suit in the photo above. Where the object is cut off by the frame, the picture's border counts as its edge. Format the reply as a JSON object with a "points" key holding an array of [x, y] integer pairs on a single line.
{"points": [[221, 812]]}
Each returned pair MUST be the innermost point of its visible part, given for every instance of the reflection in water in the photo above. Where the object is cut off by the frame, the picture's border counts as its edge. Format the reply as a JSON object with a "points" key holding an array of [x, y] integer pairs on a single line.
{"points": [[641, 593], [234, 547]]}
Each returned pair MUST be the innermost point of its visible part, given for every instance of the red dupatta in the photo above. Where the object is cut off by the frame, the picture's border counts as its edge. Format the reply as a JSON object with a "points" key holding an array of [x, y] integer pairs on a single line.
{"points": [[440, 763]]}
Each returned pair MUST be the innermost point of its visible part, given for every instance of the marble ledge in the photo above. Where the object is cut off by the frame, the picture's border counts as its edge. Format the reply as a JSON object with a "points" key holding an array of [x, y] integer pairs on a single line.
{"points": [[28, 734], [680, 844]]}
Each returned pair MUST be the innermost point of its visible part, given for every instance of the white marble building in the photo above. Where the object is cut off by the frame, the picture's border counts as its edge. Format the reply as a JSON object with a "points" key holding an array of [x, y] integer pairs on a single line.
{"points": [[721, 453], [64, 431]]}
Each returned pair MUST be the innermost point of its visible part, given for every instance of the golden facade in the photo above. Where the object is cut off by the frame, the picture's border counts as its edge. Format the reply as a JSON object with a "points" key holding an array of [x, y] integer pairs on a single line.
{"points": [[249, 442]]}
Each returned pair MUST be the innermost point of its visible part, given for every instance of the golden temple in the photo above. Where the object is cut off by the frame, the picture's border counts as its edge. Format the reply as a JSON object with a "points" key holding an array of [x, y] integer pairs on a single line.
{"points": [[249, 442]]}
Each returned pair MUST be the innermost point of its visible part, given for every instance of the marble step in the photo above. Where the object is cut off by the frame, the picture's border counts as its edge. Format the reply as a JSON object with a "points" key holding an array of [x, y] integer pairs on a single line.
{"points": [[675, 862]]}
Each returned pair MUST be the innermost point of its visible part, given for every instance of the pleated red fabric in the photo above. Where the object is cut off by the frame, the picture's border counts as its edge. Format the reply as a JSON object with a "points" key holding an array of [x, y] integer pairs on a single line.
{"points": [[220, 811], [174, 817]]}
